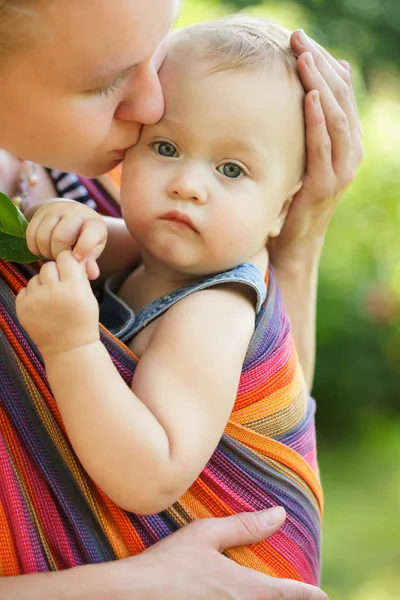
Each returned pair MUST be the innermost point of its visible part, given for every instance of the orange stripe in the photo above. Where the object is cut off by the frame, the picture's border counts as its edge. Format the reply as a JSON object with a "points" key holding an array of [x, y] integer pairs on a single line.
{"points": [[268, 404], [8, 559], [264, 558], [279, 452], [282, 378], [122, 535], [202, 503], [16, 284]]}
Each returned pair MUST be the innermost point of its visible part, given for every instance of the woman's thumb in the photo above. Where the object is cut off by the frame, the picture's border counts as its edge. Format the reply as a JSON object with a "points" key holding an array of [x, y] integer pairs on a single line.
{"points": [[241, 529]]}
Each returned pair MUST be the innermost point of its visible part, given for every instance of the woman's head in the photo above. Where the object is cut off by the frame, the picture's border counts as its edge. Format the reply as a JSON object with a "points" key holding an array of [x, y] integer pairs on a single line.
{"points": [[77, 78]]}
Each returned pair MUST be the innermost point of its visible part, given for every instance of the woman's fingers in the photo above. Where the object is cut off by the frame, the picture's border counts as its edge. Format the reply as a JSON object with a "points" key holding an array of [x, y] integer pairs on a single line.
{"points": [[343, 69], [319, 149], [236, 530], [302, 43], [339, 81], [337, 76], [337, 123], [347, 66]]}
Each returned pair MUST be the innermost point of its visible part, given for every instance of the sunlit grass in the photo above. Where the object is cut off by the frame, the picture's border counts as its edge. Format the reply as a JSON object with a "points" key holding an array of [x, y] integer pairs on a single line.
{"points": [[361, 551]]}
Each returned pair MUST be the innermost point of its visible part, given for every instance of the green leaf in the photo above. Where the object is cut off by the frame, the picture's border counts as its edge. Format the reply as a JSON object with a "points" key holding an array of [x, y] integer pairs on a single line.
{"points": [[13, 225]]}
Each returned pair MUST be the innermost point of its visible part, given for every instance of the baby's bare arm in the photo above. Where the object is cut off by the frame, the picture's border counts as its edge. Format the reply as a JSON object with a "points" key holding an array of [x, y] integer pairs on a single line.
{"points": [[170, 422]]}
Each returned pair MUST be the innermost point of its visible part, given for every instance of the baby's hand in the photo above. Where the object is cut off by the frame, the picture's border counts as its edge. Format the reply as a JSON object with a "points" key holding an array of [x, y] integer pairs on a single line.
{"points": [[63, 225], [57, 308]]}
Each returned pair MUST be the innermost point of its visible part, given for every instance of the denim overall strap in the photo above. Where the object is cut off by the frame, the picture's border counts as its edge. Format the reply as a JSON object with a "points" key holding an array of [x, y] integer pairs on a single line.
{"points": [[121, 320]]}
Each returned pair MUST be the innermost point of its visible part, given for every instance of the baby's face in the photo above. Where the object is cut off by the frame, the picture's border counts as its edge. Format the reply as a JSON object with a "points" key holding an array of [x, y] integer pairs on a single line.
{"points": [[206, 185]]}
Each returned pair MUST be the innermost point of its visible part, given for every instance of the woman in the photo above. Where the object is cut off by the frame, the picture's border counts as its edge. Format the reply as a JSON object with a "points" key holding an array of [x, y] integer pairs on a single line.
{"points": [[77, 80]]}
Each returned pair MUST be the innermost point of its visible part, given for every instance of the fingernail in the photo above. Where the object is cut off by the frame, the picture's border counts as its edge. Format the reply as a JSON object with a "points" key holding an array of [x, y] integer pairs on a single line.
{"points": [[316, 97], [273, 515], [303, 38], [346, 65], [309, 60], [77, 257]]}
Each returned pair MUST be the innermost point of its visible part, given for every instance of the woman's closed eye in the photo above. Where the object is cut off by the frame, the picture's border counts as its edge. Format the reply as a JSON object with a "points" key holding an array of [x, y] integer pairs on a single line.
{"points": [[109, 89], [165, 149], [230, 170]]}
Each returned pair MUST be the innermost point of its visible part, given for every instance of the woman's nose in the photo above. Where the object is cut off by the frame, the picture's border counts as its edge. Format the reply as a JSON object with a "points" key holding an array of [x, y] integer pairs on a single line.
{"points": [[143, 101]]}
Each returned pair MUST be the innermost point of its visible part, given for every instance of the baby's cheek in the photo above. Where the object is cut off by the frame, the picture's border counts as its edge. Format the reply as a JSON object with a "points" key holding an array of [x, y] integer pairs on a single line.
{"points": [[136, 218]]}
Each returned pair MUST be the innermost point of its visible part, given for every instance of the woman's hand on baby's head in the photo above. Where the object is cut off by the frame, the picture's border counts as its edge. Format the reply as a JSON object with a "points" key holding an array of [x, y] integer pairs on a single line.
{"points": [[68, 225]]}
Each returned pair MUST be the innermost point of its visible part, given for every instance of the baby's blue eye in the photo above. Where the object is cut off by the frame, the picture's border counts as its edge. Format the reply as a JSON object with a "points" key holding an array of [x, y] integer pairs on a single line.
{"points": [[166, 149], [230, 170]]}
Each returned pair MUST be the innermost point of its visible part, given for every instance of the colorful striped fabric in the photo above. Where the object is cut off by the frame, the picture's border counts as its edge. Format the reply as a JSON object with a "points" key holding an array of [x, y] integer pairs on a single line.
{"points": [[52, 516]]}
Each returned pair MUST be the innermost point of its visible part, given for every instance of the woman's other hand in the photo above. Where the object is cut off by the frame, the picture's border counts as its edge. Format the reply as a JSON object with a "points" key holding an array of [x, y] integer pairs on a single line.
{"points": [[334, 149], [189, 563], [186, 564]]}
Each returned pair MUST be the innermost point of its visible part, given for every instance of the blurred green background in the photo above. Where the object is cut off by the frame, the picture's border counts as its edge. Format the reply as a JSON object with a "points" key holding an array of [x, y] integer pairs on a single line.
{"points": [[357, 383]]}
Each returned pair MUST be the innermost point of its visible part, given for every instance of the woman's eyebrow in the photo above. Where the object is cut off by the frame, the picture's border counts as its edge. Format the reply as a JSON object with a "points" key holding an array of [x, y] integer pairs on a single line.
{"points": [[97, 80]]}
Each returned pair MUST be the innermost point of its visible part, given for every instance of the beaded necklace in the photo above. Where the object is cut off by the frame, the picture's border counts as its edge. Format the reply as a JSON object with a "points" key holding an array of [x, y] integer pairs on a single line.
{"points": [[27, 179]]}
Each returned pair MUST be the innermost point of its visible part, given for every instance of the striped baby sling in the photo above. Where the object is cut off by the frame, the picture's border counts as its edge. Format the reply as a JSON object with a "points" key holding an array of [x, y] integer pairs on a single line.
{"points": [[52, 516]]}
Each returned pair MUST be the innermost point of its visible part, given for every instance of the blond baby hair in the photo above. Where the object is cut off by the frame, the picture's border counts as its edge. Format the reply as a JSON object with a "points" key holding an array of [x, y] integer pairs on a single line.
{"points": [[244, 42], [240, 41]]}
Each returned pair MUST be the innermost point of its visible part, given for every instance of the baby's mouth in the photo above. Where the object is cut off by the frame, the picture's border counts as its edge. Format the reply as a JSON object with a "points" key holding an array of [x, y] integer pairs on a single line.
{"points": [[179, 218]]}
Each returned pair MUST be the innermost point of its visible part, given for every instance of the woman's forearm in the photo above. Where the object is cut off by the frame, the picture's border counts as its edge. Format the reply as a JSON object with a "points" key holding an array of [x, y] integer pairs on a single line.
{"points": [[298, 282], [90, 582]]}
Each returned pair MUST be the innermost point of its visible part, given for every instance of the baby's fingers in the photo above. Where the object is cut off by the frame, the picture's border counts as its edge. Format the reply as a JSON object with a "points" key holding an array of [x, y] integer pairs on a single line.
{"points": [[65, 234], [48, 274], [39, 233], [69, 269], [92, 268], [92, 239]]}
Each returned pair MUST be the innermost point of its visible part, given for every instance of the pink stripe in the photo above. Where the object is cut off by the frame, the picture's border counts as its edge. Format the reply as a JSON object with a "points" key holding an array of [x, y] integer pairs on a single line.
{"points": [[288, 548], [311, 458], [49, 517], [264, 371], [231, 499], [17, 513]]}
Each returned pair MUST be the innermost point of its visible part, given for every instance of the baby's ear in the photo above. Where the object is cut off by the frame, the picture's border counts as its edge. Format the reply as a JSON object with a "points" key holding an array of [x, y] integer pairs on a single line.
{"points": [[280, 219]]}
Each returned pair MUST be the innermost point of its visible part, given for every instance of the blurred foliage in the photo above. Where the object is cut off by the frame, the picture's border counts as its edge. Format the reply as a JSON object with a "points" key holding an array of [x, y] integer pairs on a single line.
{"points": [[357, 383], [361, 551], [358, 27], [358, 355]]}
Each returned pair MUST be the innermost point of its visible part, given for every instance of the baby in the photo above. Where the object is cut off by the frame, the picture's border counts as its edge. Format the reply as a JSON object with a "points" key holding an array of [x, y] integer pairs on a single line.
{"points": [[216, 419]]}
